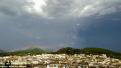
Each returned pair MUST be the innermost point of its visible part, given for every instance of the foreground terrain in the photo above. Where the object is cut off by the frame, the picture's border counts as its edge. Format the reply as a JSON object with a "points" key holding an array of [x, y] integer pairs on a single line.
{"points": [[60, 61]]}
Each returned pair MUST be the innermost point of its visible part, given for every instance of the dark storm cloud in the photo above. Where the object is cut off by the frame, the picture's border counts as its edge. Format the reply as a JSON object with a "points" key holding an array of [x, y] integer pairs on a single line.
{"points": [[104, 32], [57, 23]]}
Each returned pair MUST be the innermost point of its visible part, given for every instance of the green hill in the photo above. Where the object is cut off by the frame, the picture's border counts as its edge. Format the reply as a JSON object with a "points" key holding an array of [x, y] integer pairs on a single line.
{"points": [[67, 50], [94, 51], [99, 51], [1, 51], [30, 51]]}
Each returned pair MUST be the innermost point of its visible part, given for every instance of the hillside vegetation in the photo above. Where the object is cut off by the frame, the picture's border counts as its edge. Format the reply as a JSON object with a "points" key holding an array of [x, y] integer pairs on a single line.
{"points": [[31, 51], [99, 51], [67, 50]]}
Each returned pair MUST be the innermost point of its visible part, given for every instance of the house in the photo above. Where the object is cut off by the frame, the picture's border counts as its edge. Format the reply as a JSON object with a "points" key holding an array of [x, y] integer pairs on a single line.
{"points": [[52, 66]]}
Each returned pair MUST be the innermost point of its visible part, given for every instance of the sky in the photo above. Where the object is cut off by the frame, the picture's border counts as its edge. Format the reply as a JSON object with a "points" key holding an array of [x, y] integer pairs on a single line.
{"points": [[60, 23]]}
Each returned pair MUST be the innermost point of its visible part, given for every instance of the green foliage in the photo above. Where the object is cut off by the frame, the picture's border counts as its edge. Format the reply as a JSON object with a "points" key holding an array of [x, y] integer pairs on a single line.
{"points": [[1, 51], [98, 51], [69, 51], [94, 51], [4, 54], [32, 51]]}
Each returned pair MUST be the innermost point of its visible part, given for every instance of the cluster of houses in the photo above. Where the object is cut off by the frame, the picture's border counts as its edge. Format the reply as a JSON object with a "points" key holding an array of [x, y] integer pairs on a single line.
{"points": [[60, 61]]}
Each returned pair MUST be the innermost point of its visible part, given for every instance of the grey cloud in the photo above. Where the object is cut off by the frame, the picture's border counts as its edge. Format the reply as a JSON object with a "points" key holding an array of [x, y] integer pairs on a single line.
{"points": [[60, 8], [81, 8], [12, 8], [53, 24]]}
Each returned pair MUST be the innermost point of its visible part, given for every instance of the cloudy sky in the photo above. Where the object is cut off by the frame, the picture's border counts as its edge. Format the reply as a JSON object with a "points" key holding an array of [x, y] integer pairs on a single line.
{"points": [[60, 23]]}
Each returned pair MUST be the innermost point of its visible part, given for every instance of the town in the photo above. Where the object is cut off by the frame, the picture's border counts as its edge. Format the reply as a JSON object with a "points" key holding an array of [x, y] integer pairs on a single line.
{"points": [[60, 61]]}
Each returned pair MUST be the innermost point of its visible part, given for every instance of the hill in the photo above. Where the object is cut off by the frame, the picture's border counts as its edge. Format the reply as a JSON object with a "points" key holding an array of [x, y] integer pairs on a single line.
{"points": [[1, 51], [30, 51], [94, 51], [67, 50], [99, 51]]}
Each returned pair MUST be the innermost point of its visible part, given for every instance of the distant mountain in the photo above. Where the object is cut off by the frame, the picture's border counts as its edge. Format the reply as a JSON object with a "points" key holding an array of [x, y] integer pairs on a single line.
{"points": [[1, 51], [67, 50], [98, 51], [94, 51], [30, 51]]}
